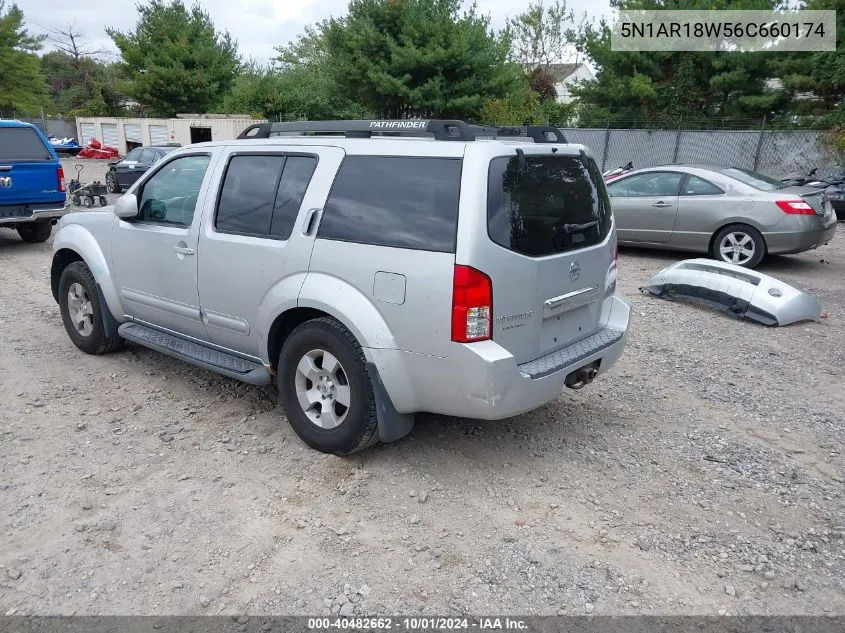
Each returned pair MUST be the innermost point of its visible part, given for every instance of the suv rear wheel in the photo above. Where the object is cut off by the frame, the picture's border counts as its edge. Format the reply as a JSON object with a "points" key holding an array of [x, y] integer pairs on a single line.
{"points": [[325, 389], [35, 231], [82, 313]]}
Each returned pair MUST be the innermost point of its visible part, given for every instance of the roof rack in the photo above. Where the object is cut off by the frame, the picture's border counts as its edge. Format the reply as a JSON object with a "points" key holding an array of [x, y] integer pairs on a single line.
{"points": [[440, 129]]}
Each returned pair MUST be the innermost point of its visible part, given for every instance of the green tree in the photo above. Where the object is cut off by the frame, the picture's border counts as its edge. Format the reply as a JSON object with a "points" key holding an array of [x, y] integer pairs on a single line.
{"points": [[818, 75], [542, 35], [407, 58], [22, 87], [174, 60], [668, 88]]}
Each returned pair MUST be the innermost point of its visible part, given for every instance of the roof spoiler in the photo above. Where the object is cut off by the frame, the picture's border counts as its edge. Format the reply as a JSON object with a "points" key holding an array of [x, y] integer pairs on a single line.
{"points": [[440, 129]]}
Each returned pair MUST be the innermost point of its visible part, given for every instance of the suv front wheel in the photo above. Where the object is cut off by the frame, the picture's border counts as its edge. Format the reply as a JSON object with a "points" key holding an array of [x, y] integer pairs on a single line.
{"points": [[325, 390], [82, 313]]}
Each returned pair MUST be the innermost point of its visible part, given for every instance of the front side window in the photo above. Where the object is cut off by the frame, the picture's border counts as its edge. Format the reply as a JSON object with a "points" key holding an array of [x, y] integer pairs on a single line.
{"points": [[395, 201], [261, 194], [652, 183], [170, 195], [544, 205]]}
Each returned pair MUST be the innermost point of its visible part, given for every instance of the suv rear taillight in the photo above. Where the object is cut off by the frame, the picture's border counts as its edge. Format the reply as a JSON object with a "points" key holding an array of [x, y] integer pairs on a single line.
{"points": [[795, 207], [60, 174], [612, 274], [472, 305]]}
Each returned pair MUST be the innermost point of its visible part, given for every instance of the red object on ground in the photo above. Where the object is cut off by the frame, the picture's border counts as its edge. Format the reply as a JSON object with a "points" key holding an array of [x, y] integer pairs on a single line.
{"points": [[95, 149]]}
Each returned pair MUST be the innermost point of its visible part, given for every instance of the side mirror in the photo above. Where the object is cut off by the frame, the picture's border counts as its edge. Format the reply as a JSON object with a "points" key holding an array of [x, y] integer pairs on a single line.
{"points": [[126, 206]]}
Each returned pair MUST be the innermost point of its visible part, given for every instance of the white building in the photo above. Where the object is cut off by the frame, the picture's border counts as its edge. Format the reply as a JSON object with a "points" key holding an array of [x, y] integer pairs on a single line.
{"points": [[566, 76], [126, 133]]}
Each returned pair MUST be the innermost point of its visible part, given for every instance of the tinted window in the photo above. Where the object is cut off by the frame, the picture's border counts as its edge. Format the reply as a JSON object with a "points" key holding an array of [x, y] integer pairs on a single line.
{"points": [[295, 178], [170, 196], [148, 157], [20, 144], [696, 186], [261, 195], [249, 189], [546, 205], [652, 183], [132, 156], [753, 179], [395, 201]]}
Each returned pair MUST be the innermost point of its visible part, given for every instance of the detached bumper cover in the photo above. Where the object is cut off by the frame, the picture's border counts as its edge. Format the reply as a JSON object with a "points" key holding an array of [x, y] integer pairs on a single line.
{"points": [[742, 292]]}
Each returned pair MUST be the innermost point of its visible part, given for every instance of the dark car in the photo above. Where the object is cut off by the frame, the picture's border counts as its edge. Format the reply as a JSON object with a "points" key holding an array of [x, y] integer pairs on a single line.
{"points": [[123, 174]]}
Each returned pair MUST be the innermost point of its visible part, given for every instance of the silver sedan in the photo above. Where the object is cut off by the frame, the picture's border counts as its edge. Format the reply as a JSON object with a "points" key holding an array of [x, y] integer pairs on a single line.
{"points": [[732, 214]]}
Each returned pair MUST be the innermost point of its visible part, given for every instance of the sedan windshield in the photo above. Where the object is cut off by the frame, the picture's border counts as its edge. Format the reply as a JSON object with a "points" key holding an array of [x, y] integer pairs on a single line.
{"points": [[753, 179]]}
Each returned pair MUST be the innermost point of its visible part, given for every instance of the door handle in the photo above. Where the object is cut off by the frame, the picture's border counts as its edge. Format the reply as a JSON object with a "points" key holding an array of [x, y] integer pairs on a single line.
{"points": [[662, 205], [183, 250], [312, 221]]}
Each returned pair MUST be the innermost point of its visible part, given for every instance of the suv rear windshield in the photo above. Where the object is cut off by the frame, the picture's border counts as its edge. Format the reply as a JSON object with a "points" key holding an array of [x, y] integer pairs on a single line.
{"points": [[19, 144], [543, 205]]}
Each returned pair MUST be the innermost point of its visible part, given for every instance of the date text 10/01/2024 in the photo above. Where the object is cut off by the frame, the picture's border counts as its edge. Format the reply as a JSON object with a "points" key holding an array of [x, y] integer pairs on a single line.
{"points": [[417, 624]]}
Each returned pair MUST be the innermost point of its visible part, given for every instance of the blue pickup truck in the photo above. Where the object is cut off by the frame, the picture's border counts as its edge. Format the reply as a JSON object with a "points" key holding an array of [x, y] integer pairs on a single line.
{"points": [[32, 182]]}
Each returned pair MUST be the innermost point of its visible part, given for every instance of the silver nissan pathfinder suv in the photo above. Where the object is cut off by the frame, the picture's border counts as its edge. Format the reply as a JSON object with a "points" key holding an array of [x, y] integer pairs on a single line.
{"points": [[371, 269]]}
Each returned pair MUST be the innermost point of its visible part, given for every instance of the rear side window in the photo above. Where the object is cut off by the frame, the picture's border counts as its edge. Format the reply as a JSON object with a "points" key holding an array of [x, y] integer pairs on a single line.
{"points": [[543, 205], [395, 201], [19, 144], [261, 194]]}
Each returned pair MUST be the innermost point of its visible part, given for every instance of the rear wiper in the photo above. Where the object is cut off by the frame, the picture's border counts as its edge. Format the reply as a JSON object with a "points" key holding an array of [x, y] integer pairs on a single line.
{"points": [[569, 229]]}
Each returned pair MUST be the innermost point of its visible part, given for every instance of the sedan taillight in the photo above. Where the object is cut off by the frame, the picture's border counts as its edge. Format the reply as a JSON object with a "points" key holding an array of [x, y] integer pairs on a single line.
{"points": [[795, 207]]}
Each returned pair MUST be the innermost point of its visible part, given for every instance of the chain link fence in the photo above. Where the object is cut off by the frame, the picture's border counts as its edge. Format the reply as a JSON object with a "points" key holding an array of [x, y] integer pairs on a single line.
{"points": [[774, 152]]}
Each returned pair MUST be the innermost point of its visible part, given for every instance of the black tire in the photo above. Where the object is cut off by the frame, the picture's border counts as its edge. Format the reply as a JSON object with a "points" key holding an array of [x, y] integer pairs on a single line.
{"points": [[359, 429], [103, 201], [96, 342], [76, 200], [112, 186], [33, 232], [759, 245], [87, 202]]}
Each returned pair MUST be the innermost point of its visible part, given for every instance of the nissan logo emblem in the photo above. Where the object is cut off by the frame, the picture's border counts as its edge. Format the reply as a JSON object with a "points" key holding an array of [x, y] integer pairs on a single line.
{"points": [[574, 270], [5, 182]]}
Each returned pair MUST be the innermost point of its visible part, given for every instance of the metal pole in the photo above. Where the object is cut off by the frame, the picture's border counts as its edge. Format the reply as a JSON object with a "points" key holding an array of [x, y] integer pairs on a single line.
{"points": [[677, 145], [606, 147], [759, 145]]}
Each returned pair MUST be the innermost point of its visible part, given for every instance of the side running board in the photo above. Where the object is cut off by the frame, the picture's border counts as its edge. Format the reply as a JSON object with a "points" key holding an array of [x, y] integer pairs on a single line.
{"points": [[196, 354]]}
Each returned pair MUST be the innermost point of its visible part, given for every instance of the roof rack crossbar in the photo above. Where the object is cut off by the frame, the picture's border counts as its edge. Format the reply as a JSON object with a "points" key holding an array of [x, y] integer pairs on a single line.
{"points": [[440, 129]]}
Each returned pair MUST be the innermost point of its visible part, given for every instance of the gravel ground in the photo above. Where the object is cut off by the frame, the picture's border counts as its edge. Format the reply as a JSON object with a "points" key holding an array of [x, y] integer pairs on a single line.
{"points": [[703, 475]]}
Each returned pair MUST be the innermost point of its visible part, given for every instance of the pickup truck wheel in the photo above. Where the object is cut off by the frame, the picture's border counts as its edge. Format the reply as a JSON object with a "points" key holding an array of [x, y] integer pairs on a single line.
{"points": [[325, 389], [35, 231], [82, 313]]}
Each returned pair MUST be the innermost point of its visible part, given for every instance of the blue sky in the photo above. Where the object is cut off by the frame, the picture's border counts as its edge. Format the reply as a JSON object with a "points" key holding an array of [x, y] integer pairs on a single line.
{"points": [[258, 25]]}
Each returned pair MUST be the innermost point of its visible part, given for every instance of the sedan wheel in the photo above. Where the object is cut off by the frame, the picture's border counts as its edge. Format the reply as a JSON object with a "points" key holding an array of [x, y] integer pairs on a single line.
{"points": [[111, 183], [740, 245], [737, 248]]}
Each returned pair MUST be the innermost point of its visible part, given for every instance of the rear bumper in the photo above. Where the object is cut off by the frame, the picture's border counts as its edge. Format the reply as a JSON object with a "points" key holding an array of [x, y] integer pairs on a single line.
{"points": [[483, 381], [27, 213], [785, 243]]}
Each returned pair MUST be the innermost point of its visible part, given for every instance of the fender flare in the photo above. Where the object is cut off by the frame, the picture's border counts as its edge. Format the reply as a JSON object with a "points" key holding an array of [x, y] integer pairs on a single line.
{"points": [[77, 239]]}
